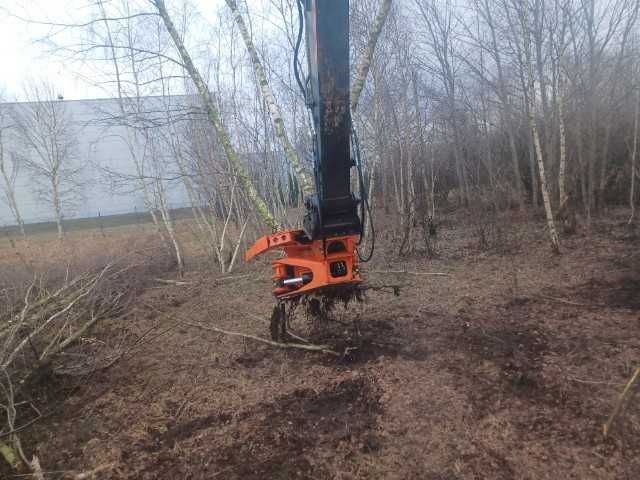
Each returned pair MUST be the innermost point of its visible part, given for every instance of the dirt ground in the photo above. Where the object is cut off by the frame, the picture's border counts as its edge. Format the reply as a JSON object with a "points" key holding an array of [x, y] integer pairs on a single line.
{"points": [[506, 368]]}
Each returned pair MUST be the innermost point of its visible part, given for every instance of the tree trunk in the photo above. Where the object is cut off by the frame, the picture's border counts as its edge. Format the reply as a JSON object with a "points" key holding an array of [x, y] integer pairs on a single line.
{"points": [[634, 154], [522, 68], [562, 188], [365, 60], [508, 119], [553, 234], [461, 173], [532, 170], [57, 207], [168, 225], [214, 117], [267, 93], [131, 135], [9, 190], [628, 30], [205, 224]]}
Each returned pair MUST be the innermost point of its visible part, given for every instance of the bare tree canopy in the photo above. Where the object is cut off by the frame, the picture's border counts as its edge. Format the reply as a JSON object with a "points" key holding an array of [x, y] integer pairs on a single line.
{"points": [[492, 103], [48, 140]]}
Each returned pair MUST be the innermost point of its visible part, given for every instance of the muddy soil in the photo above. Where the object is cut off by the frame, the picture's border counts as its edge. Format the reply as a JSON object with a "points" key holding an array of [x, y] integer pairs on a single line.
{"points": [[506, 368]]}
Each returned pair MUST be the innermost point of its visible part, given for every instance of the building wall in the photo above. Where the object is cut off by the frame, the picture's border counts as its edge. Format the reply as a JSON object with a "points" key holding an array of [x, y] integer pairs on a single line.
{"points": [[107, 179]]}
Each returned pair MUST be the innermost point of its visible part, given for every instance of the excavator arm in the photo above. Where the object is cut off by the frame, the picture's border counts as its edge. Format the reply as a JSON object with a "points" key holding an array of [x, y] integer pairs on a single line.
{"points": [[323, 253], [333, 209]]}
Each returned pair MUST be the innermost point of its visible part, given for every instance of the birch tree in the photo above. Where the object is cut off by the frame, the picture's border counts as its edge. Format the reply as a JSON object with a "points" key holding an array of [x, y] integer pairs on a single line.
{"points": [[277, 119], [48, 140], [634, 155], [513, 95], [214, 117], [364, 63], [133, 138], [546, 198], [9, 167]]}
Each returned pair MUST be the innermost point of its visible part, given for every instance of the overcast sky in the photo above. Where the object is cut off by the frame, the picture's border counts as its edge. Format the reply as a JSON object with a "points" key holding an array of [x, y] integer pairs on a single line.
{"points": [[20, 57], [23, 57]]}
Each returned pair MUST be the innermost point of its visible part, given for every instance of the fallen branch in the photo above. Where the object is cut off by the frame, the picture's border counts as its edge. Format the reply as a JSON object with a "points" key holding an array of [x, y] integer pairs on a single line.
{"points": [[575, 304], [94, 472], [405, 272], [232, 277], [215, 280], [53, 315], [593, 382], [300, 346], [395, 289], [255, 338], [88, 290], [625, 392], [13, 454], [22, 427], [172, 282], [300, 339]]}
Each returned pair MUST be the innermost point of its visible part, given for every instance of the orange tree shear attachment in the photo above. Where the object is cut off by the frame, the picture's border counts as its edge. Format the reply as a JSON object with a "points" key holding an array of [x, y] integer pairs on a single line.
{"points": [[309, 264]]}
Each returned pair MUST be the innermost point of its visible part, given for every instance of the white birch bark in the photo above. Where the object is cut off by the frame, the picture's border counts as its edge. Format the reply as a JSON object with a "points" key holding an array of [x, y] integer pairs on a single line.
{"points": [[562, 167], [57, 205], [168, 223], [267, 93], [8, 179], [553, 233], [47, 136], [362, 70], [634, 154], [214, 117]]}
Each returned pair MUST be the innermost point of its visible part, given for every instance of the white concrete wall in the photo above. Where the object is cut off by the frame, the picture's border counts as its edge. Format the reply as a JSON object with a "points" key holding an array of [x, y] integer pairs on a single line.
{"points": [[100, 145]]}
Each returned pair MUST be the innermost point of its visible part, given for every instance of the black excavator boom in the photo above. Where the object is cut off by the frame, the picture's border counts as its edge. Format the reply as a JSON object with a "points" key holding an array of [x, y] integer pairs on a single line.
{"points": [[333, 209], [323, 257]]}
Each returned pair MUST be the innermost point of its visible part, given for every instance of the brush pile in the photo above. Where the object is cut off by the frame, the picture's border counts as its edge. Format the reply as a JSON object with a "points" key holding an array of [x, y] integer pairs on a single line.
{"points": [[45, 334]]}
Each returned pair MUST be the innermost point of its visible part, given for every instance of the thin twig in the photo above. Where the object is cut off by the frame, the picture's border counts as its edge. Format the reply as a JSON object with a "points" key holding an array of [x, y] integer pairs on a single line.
{"points": [[310, 347], [92, 473], [22, 427], [233, 277], [299, 346], [594, 382], [607, 426], [575, 304], [87, 290], [172, 282], [406, 272], [300, 339]]}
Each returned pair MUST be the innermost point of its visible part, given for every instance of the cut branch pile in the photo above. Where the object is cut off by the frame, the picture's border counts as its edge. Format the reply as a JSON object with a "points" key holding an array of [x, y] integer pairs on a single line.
{"points": [[37, 332]]}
